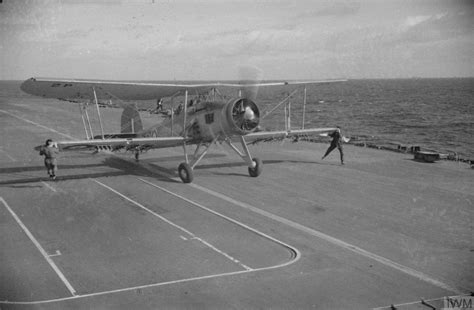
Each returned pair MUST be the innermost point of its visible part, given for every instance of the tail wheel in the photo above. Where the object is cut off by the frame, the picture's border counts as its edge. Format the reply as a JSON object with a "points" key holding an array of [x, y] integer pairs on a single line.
{"points": [[257, 170], [185, 173]]}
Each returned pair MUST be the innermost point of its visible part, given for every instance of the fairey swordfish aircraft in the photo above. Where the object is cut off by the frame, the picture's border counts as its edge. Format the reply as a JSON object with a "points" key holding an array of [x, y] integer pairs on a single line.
{"points": [[203, 121]]}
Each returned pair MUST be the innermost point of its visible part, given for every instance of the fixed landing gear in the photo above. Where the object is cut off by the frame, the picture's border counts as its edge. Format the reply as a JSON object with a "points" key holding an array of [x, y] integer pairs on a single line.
{"points": [[257, 169], [185, 169], [185, 173]]}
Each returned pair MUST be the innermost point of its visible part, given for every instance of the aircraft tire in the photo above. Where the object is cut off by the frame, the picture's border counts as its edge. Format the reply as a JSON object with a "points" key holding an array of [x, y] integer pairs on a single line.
{"points": [[257, 170], [185, 173]]}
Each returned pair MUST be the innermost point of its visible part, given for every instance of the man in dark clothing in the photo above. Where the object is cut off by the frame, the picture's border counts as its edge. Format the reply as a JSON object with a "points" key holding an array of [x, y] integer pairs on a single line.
{"points": [[159, 105], [50, 152], [336, 142]]}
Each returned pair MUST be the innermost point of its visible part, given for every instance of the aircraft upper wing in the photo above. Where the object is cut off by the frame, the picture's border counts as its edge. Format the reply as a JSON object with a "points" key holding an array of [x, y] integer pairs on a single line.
{"points": [[119, 144], [264, 135], [74, 89]]}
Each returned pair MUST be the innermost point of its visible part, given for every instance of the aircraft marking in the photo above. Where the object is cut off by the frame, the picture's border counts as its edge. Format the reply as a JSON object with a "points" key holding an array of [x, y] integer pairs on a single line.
{"points": [[40, 248]]}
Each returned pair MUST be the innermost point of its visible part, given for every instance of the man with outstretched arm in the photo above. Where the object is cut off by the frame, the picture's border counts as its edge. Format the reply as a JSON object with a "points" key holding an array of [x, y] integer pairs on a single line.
{"points": [[336, 142]]}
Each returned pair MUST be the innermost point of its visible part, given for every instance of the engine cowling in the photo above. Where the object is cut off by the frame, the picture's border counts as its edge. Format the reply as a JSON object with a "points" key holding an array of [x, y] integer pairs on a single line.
{"points": [[242, 116]]}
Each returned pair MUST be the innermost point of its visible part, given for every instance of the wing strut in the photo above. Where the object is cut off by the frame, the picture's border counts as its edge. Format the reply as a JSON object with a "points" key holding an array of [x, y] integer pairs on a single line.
{"points": [[172, 110], [279, 104], [184, 127], [81, 109], [304, 107], [98, 113]]}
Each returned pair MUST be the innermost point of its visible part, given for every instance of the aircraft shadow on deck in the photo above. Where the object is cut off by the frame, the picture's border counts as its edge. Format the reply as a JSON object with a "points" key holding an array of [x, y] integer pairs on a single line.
{"points": [[177, 158], [265, 162], [123, 166]]}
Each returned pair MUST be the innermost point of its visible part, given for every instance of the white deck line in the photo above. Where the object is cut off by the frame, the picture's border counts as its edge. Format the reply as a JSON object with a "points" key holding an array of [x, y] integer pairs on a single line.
{"points": [[193, 236], [36, 124], [7, 155], [49, 186], [127, 289], [40, 248], [297, 253], [385, 261]]}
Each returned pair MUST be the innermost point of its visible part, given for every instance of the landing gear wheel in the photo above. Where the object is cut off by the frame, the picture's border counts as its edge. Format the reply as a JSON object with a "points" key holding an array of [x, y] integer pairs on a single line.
{"points": [[185, 173], [257, 170]]}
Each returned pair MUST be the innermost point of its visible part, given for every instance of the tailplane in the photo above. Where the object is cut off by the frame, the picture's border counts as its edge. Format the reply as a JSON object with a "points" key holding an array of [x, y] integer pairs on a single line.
{"points": [[130, 121]]}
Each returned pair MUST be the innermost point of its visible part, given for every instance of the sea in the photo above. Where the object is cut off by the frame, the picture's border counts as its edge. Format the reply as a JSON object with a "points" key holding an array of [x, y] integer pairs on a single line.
{"points": [[434, 114]]}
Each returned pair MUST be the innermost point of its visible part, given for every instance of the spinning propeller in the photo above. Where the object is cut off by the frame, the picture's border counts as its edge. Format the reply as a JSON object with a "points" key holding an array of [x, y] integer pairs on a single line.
{"points": [[245, 112]]}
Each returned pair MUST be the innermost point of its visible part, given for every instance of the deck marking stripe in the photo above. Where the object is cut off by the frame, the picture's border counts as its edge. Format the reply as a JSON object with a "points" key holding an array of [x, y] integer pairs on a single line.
{"points": [[291, 248], [177, 226], [6, 154], [40, 248], [127, 289], [49, 186], [36, 124], [385, 261]]}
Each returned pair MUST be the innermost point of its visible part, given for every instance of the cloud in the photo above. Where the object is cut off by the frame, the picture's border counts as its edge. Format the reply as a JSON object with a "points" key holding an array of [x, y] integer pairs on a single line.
{"points": [[414, 20], [420, 29], [337, 8]]}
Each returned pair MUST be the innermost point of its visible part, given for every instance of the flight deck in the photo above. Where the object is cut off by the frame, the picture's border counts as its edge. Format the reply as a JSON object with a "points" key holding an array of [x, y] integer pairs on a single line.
{"points": [[113, 233]]}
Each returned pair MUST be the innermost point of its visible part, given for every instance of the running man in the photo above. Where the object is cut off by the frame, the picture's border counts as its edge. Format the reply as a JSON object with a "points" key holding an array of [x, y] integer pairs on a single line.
{"points": [[336, 142], [50, 152]]}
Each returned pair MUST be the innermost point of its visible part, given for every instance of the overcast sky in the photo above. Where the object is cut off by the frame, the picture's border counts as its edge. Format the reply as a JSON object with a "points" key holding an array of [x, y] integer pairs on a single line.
{"points": [[211, 39]]}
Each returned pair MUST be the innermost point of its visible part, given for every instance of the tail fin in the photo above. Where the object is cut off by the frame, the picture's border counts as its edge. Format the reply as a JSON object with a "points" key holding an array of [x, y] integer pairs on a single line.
{"points": [[131, 121]]}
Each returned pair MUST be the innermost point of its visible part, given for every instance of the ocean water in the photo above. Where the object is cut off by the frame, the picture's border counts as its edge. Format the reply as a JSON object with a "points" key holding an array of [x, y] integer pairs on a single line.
{"points": [[435, 114]]}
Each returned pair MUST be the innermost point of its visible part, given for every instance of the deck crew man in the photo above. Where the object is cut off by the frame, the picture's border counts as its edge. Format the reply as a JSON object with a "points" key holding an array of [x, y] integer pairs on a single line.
{"points": [[336, 142], [50, 152]]}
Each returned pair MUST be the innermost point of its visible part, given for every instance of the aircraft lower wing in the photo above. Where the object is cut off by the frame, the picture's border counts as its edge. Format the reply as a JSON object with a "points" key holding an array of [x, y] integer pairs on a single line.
{"points": [[119, 144], [265, 135]]}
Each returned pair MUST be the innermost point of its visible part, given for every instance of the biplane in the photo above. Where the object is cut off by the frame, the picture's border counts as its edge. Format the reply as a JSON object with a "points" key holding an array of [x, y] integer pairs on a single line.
{"points": [[206, 119]]}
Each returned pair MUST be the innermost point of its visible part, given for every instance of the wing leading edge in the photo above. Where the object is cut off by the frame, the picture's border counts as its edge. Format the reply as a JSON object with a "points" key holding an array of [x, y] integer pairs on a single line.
{"points": [[74, 89], [117, 144], [264, 135]]}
